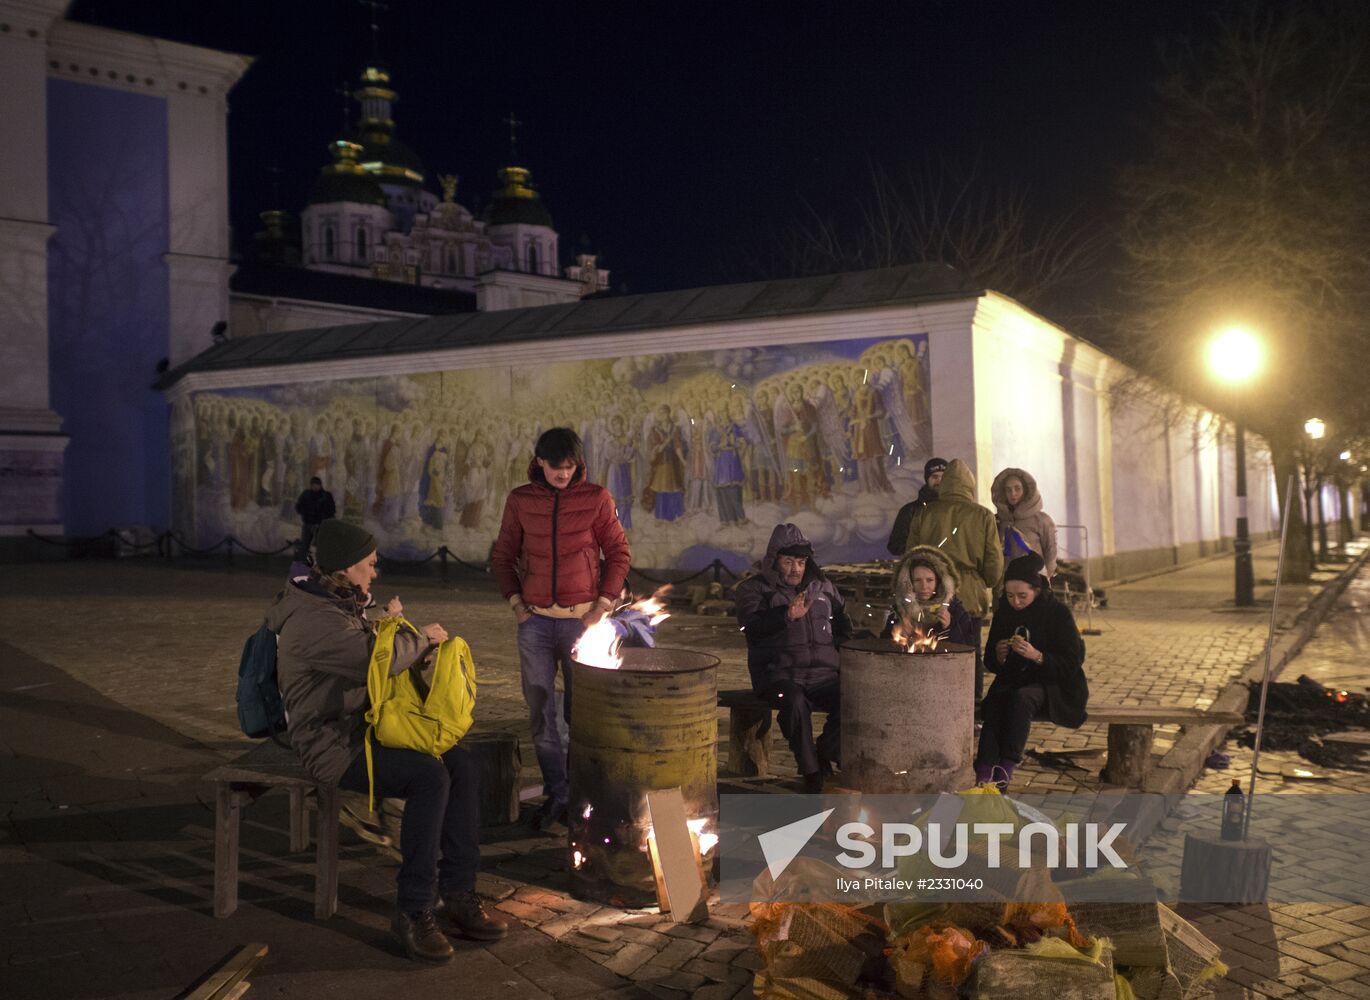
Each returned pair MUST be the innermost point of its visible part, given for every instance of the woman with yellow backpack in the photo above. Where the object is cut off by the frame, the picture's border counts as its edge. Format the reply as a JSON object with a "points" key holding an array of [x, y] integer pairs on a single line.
{"points": [[380, 708]]}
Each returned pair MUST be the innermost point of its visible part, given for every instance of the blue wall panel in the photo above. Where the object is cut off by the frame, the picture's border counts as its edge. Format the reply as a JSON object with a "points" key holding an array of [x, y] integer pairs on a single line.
{"points": [[108, 301]]}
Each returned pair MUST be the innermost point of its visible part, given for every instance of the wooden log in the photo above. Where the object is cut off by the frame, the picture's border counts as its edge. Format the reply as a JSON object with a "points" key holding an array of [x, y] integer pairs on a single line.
{"points": [[299, 820], [499, 764], [227, 813], [749, 727], [1129, 755], [1224, 871], [222, 982], [675, 858], [326, 858], [1008, 974]]}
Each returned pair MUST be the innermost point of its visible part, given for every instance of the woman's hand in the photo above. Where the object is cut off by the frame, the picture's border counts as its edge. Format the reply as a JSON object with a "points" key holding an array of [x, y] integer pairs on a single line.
{"points": [[1001, 651], [434, 633], [1026, 649], [393, 608], [944, 616]]}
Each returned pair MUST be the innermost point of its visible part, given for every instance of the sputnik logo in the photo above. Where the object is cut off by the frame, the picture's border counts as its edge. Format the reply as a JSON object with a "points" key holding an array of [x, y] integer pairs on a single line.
{"points": [[782, 845]]}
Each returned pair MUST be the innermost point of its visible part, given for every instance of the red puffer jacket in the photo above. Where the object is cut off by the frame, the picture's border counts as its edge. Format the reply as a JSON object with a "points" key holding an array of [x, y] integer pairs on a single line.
{"points": [[550, 541]]}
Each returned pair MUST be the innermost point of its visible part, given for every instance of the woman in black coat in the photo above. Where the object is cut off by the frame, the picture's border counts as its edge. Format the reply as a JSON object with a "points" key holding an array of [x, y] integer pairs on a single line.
{"points": [[1038, 657]]}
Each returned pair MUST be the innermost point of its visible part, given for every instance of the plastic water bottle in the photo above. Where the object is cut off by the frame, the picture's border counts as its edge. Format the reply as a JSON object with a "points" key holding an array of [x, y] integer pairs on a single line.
{"points": [[1234, 806]]}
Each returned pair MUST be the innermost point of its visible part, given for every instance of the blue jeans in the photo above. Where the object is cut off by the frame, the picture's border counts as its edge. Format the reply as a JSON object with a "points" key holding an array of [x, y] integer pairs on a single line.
{"points": [[545, 644], [440, 831]]}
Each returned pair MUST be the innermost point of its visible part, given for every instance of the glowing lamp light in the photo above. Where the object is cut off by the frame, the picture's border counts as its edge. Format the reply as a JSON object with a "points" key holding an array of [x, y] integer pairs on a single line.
{"points": [[1315, 428], [1345, 456], [1234, 355]]}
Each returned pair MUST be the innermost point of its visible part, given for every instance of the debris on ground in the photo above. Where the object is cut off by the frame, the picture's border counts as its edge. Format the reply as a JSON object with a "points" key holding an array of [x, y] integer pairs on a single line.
{"points": [[1303, 716]]}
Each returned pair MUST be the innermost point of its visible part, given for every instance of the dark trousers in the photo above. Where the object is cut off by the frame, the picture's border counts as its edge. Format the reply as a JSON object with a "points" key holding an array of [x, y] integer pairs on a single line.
{"points": [[440, 832], [307, 533], [1008, 715], [795, 704], [544, 645]]}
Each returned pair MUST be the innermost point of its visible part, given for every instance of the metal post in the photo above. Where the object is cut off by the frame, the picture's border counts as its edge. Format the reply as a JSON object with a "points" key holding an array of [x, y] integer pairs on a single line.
{"points": [[717, 567], [442, 556], [1246, 577], [1269, 649]]}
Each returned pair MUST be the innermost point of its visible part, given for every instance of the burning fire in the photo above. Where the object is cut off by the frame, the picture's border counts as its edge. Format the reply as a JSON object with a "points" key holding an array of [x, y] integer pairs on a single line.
{"points": [[599, 644], [705, 840], [920, 640]]}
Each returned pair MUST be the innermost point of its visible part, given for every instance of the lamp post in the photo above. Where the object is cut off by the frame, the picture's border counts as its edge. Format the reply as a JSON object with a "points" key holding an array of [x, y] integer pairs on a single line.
{"points": [[1234, 356], [1314, 429]]}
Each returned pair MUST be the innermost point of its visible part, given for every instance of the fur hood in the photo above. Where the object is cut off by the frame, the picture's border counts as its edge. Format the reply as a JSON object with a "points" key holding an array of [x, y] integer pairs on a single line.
{"points": [[1030, 504], [936, 560]]}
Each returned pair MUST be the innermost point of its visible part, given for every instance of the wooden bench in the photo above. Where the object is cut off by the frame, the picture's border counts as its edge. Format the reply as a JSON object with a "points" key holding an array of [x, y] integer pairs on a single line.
{"points": [[1131, 731], [242, 781], [749, 728]]}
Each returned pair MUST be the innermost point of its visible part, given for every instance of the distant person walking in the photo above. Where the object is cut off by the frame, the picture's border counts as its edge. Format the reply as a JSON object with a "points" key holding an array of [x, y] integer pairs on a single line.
{"points": [[966, 533], [315, 506], [1023, 526], [933, 469]]}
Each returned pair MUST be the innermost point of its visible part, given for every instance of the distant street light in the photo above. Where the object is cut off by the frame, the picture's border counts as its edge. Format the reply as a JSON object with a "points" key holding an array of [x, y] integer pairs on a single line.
{"points": [[1315, 428], [1345, 456], [1234, 356]]}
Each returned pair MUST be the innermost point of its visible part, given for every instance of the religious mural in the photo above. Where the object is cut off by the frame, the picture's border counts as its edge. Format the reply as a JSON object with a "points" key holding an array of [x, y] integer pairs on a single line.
{"points": [[703, 452]]}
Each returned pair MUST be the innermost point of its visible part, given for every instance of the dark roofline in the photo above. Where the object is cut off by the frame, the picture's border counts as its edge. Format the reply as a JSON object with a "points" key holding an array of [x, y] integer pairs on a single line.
{"points": [[896, 286], [327, 287]]}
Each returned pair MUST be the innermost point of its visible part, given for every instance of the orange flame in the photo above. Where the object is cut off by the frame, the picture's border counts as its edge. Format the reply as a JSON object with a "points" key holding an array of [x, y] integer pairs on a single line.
{"points": [[920, 640], [598, 645]]}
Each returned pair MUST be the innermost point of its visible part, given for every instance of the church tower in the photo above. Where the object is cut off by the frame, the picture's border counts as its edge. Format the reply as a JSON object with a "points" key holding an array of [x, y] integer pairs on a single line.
{"points": [[396, 167], [347, 216]]}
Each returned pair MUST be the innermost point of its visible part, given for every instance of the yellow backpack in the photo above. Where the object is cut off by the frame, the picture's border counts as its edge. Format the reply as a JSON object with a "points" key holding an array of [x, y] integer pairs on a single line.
{"points": [[400, 716]]}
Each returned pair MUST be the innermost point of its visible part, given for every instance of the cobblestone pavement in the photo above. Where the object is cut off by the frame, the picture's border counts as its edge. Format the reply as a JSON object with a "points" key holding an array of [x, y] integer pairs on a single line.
{"points": [[1295, 949], [118, 694]]}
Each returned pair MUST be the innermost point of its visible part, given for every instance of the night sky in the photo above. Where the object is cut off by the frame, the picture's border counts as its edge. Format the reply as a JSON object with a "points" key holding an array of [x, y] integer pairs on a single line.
{"points": [[675, 139]]}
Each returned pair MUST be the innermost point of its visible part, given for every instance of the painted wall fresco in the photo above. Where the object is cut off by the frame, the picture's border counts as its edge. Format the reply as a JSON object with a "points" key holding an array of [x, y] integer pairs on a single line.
{"points": [[704, 452]]}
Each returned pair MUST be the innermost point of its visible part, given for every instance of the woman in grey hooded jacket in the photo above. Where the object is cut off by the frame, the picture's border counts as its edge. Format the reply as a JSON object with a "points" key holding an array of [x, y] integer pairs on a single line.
{"points": [[1023, 525]]}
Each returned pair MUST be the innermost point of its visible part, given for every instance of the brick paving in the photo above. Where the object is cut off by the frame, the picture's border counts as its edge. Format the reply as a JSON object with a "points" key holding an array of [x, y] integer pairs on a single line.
{"points": [[118, 695]]}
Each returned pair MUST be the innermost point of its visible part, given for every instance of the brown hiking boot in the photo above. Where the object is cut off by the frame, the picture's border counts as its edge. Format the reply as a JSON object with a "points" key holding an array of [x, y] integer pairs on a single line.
{"points": [[421, 937], [465, 912]]}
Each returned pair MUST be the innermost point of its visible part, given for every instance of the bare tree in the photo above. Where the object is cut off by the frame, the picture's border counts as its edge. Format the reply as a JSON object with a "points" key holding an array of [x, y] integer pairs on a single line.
{"points": [[939, 214], [1251, 210]]}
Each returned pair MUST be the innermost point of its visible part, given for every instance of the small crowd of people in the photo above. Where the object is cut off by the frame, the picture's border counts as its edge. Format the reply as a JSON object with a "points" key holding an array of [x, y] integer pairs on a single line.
{"points": [[561, 561]]}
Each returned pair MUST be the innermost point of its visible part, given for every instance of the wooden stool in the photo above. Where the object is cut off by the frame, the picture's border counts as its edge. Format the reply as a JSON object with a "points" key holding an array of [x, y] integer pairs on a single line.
{"points": [[246, 779]]}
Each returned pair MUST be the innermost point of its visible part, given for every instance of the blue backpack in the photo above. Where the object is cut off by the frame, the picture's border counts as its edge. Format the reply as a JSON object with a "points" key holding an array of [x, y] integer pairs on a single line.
{"points": [[260, 709]]}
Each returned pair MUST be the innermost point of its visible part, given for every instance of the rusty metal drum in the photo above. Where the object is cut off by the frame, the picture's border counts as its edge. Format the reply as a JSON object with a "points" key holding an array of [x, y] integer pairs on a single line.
{"points": [[650, 724], [908, 719]]}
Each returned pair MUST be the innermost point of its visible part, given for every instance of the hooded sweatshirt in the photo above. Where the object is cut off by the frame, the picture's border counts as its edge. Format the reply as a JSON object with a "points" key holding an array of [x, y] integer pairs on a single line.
{"points": [[966, 534], [322, 657], [907, 606], [1032, 524], [778, 649], [550, 542]]}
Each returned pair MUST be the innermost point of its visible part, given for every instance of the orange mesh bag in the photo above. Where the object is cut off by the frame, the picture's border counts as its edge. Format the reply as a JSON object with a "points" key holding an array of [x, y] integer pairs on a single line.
{"points": [[941, 952]]}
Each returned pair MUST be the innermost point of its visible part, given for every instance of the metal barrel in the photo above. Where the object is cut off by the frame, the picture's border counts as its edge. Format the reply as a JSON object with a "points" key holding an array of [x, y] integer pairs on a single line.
{"points": [[908, 719], [651, 724]]}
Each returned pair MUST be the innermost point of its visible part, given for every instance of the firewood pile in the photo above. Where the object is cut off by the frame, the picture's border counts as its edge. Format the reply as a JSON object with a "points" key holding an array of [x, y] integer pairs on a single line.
{"points": [[998, 949], [1307, 717]]}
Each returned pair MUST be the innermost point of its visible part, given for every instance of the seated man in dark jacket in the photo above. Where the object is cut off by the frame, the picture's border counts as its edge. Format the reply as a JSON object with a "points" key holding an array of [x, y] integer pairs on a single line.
{"points": [[793, 617]]}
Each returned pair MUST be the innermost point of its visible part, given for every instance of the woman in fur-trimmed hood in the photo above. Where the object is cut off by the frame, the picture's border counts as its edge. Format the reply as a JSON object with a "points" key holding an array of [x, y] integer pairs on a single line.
{"points": [[924, 595], [1023, 525]]}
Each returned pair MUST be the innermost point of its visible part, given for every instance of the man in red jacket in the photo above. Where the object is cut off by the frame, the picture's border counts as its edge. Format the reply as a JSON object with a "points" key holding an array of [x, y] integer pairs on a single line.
{"points": [[547, 564]]}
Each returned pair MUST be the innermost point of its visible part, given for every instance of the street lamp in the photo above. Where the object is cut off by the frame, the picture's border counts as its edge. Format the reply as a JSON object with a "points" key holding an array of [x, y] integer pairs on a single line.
{"points": [[1234, 356]]}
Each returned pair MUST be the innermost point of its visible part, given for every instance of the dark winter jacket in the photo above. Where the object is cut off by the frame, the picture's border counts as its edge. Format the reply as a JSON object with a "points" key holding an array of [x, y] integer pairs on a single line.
{"points": [[1050, 627], [322, 657], [966, 534], [315, 508], [550, 542], [778, 649], [899, 534], [914, 613]]}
